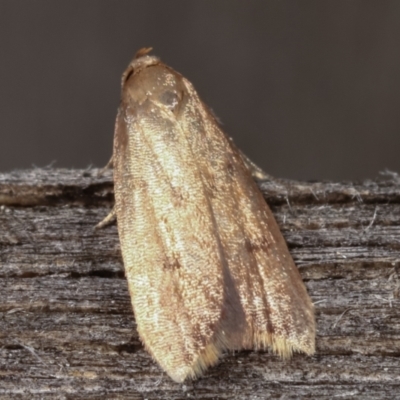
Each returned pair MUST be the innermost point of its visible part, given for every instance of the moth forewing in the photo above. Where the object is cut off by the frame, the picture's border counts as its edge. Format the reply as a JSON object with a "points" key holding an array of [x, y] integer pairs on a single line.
{"points": [[207, 266], [172, 259], [279, 312]]}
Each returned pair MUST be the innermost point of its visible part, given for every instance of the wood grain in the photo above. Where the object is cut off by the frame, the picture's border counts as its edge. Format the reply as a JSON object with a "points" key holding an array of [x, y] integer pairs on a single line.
{"points": [[67, 328]]}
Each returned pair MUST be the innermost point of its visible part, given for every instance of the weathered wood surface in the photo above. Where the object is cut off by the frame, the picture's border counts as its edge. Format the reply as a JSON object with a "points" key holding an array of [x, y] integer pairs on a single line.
{"points": [[67, 330]]}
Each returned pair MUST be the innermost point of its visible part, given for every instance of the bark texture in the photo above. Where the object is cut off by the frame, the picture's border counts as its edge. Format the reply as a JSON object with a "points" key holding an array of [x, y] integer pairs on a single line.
{"points": [[67, 330]]}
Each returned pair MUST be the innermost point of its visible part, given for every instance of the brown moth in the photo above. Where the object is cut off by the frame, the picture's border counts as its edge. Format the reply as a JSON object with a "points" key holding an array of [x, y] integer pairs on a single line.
{"points": [[206, 263]]}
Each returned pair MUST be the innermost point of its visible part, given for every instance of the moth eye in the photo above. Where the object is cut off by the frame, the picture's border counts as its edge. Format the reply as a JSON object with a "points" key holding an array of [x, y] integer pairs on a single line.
{"points": [[170, 99]]}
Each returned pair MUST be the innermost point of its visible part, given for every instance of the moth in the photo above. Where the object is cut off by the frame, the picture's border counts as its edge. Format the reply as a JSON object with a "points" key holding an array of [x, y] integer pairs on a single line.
{"points": [[208, 269]]}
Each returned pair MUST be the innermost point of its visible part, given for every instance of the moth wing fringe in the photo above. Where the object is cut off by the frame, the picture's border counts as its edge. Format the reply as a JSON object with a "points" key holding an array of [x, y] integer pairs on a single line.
{"points": [[279, 345]]}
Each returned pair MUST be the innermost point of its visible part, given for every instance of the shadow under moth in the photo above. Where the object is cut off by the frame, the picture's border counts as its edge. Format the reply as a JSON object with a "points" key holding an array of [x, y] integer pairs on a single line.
{"points": [[208, 269]]}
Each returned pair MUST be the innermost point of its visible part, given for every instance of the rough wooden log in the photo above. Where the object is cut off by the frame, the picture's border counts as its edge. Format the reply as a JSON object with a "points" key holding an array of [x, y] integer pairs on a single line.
{"points": [[67, 330]]}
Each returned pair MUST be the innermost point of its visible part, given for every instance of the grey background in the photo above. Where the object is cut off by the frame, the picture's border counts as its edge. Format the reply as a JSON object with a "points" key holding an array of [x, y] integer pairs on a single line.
{"points": [[308, 89]]}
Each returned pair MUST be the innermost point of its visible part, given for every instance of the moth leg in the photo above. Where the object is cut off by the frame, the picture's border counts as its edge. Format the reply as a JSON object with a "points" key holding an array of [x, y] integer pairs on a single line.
{"points": [[108, 165], [109, 219], [112, 216], [256, 171]]}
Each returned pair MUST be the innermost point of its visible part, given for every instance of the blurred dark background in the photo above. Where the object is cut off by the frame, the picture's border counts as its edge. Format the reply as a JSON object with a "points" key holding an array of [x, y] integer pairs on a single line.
{"points": [[308, 89]]}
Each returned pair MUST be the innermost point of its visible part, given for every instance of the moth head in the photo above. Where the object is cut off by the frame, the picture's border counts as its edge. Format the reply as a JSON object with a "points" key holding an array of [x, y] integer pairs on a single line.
{"points": [[155, 84]]}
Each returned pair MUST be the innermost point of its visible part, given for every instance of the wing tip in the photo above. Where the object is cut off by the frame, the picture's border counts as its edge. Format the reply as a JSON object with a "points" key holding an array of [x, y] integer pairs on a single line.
{"points": [[207, 358]]}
